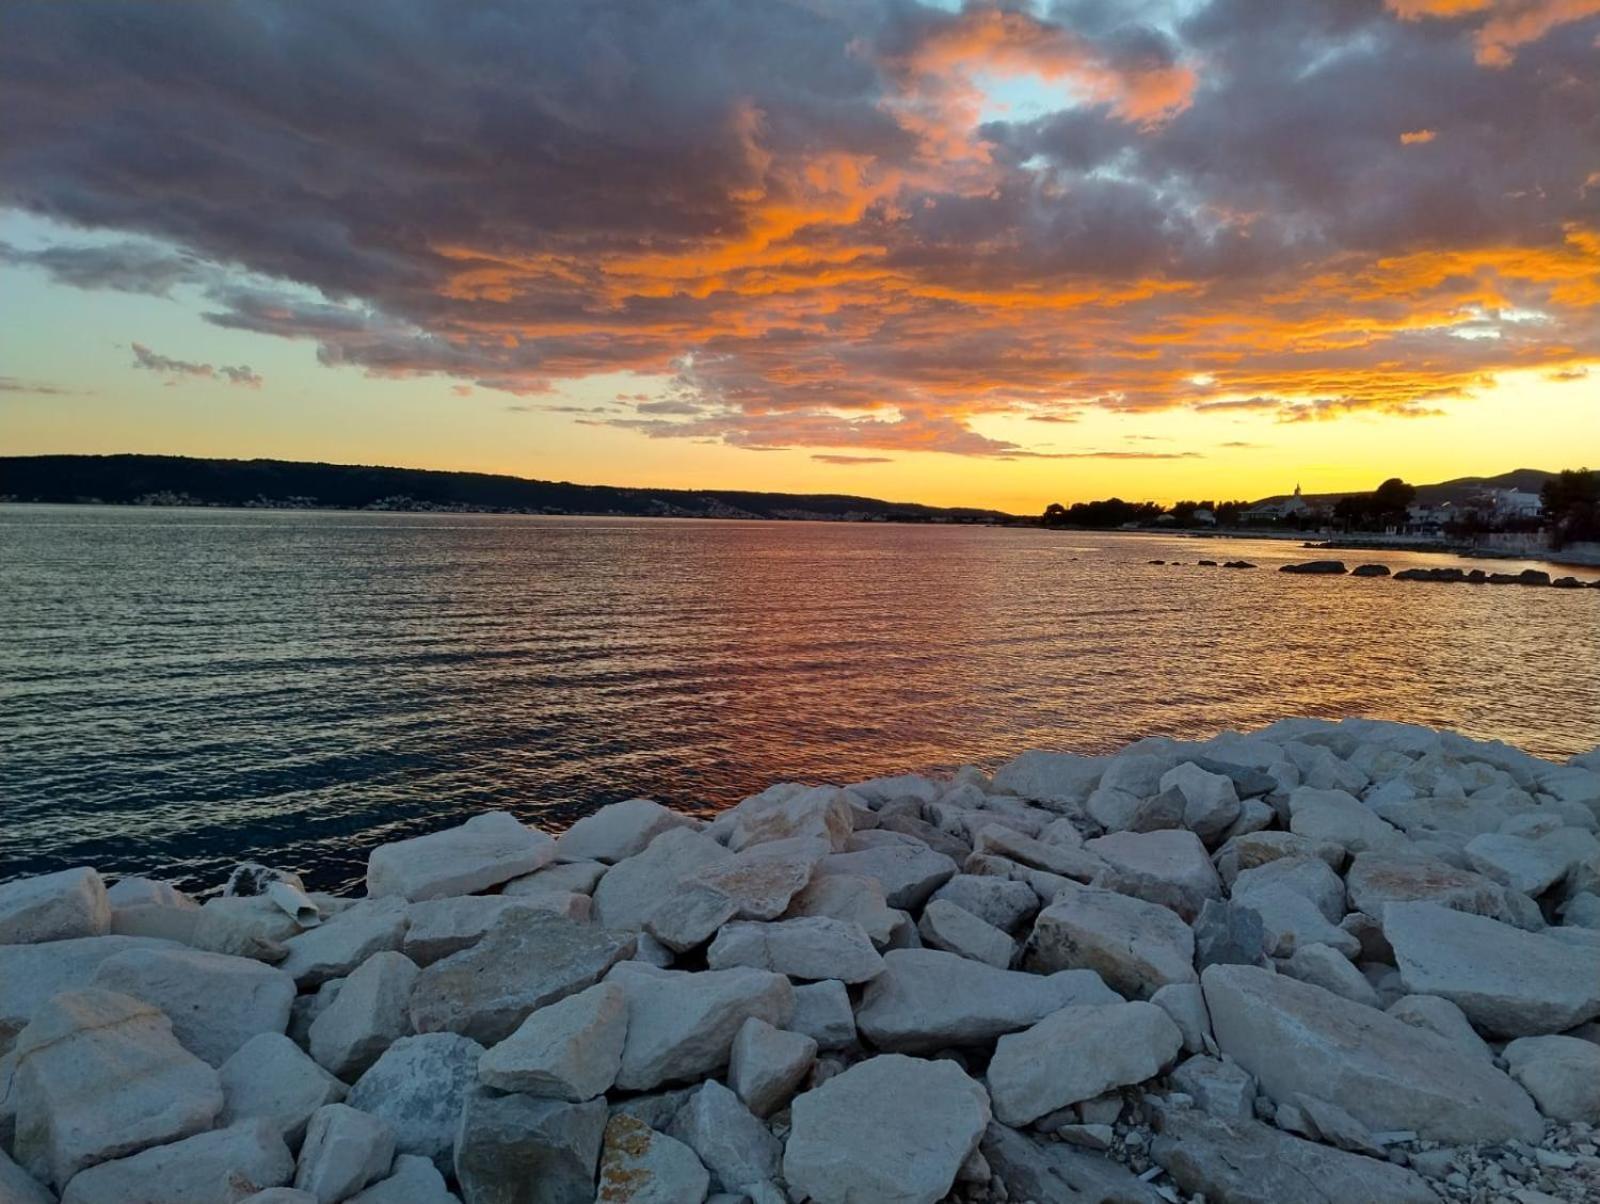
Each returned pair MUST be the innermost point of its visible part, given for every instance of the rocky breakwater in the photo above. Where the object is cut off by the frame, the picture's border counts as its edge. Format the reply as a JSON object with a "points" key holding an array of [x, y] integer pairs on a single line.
{"points": [[1335, 962]]}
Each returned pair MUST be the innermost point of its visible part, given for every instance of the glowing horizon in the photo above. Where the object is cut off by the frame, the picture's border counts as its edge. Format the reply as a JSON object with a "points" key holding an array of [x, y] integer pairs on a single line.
{"points": [[991, 255]]}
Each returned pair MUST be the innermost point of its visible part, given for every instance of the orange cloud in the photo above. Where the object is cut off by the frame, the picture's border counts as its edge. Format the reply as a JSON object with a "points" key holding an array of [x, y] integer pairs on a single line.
{"points": [[1411, 137], [1509, 24]]}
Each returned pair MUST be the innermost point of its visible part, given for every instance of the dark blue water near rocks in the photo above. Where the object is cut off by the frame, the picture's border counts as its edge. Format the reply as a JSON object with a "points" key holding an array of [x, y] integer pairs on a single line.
{"points": [[180, 689]]}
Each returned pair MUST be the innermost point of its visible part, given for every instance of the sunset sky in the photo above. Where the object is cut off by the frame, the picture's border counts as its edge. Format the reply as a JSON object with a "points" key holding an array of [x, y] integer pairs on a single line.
{"points": [[996, 255]]}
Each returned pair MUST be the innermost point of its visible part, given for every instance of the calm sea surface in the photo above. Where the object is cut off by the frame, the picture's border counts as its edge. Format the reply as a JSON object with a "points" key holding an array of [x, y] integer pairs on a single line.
{"points": [[181, 689]]}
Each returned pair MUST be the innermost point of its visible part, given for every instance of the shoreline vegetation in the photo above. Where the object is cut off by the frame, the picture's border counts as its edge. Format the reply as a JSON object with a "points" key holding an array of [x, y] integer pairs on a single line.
{"points": [[1359, 955]]}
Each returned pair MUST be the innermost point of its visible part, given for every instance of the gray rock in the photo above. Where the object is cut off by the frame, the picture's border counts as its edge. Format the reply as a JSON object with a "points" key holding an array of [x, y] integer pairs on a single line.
{"points": [[1004, 903], [419, 1086], [633, 889], [369, 1014], [414, 1181], [1529, 865], [281, 1195], [1060, 781], [946, 926], [1135, 946], [1244, 1162], [811, 947], [54, 907], [1376, 880], [146, 907], [908, 873], [344, 1151], [1057, 1174], [527, 961], [1076, 1054], [558, 878], [822, 1012], [1561, 1073], [641, 1166], [1169, 868], [682, 1025], [1290, 920], [618, 831], [1335, 816], [99, 1076], [570, 1050], [1226, 934], [19, 1187], [216, 1003], [441, 927], [334, 949], [248, 926], [1509, 982], [927, 1000], [852, 898], [269, 1078], [1295, 1037], [1442, 1017], [855, 1139], [1308, 877], [1210, 800], [1223, 1089], [1185, 1003], [766, 1064], [1064, 860], [517, 1149], [788, 810], [485, 851], [734, 1146], [1253, 849], [221, 1167], [1325, 967]]}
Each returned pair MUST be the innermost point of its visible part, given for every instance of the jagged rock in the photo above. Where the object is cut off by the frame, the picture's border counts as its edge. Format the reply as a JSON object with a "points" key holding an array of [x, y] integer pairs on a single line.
{"points": [[441, 927], [952, 847], [146, 907], [1531, 866], [99, 1076], [558, 878], [633, 889], [1509, 982], [785, 811], [1336, 816], [1244, 1162], [334, 949], [54, 907], [525, 962], [269, 1078], [734, 1146], [484, 851], [927, 1000], [1561, 1073], [418, 1086], [1210, 801], [1076, 1054], [1325, 967], [947, 926], [1223, 1089], [682, 1025], [1060, 781], [221, 1167], [570, 1050], [1322, 769], [1308, 877], [1377, 879], [345, 1150], [854, 899], [414, 1181], [812, 947], [909, 873], [1185, 1003], [641, 1166], [1227, 934], [1290, 920], [1253, 849], [369, 1014], [618, 831], [1067, 861], [306, 1008], [249, 926], [1295, 1037], [754, 885], [854, 1138], [215, 1002], [822, 1012], [1169, 868], [1135, 946], [520, 1148], [1048, 1173], [767, 1064], [1004, 903], [1442, 1017]]}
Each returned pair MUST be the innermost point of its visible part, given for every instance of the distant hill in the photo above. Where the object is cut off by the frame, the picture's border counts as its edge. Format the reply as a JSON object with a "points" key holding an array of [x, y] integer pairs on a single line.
{"points": [[1529, 480], [289, 484]]}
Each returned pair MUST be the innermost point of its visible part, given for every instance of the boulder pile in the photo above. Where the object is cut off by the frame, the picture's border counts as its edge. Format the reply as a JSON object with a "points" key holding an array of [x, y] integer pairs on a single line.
{"points": [[1325, 961]]}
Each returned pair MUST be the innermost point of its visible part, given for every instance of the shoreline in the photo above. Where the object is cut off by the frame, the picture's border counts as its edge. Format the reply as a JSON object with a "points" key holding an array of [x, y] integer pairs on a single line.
{"points": [[1339, 951]]}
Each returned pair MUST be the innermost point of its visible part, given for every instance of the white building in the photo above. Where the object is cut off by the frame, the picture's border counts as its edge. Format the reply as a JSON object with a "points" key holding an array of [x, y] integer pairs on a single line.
{"points": [[1290, 507], [1514, 503]]}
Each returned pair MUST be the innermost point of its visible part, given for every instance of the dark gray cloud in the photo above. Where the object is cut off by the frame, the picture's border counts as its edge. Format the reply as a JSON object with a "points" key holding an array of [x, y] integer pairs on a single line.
{"points": [[175, 369]]}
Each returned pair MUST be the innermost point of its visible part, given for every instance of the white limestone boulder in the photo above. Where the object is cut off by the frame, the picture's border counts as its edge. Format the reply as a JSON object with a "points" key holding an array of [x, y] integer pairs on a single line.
{"points": [[335, 948], [570, 1050], [1324, 966], [757, 884], [1295, 1037], [146, 907], [926, 1000], [642, 1166], [733, 1145], [1210, 800], [1076, 1054], [484, 851], [1337, 817], [345, 1149], [370, 1013], [31, 974], [54, 907], [946, 926], [892, 1129], [907, 870], [1531, 865], [1169, 868], [633, 889], [415, 1181], [99, 1076], [811, 947], [1376, 880], [823, 1013], [441, 927], [215, 1002], [19, 1187], [419, 1087], [1509, 982], [851, 898], [1056, 780], [1223, 1089], [1136, 947], [1066, 860], [1247, 851], [559, 878], [1002, 902], [1561, 1073], [766, 1064], [224, 1166], [784, 811], [618, 831], [270, 1078], [1442, 1017], [244, 926], [681, 1025], [1185, 1004], [1290, 920]]}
